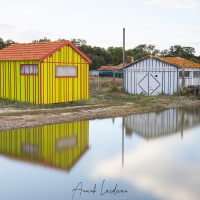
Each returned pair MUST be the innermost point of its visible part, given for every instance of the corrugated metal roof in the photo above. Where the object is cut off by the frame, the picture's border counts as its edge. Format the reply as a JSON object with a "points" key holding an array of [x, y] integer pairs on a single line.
{"points": [[35, 51]]}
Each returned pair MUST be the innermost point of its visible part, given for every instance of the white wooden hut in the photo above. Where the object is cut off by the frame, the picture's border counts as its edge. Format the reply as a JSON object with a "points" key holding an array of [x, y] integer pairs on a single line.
{"points": [[153, 75]]}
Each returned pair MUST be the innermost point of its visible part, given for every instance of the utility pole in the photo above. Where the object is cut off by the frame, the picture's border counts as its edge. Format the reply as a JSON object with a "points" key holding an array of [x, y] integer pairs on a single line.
{"points": [[123, 56], [183, 75]]}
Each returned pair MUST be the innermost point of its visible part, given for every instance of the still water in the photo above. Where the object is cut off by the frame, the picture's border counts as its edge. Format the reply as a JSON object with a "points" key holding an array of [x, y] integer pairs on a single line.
{"points": [[154, 156]]}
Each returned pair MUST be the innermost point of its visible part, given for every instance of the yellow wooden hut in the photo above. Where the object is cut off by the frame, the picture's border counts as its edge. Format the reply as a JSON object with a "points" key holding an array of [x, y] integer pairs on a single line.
{"points": [[44, 73]]}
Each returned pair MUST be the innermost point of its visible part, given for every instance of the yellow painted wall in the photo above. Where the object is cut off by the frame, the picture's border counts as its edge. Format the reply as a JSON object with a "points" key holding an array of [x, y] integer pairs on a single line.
{"points": [[66, 89], [40, 144], [18, 87], [45, 88]]}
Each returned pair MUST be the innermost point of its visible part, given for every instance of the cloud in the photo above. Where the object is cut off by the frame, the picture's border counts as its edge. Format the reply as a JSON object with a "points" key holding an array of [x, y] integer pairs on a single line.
{"points": [[189, 5], [167, 169], [163, 39], [19, 34], [46, 9]]}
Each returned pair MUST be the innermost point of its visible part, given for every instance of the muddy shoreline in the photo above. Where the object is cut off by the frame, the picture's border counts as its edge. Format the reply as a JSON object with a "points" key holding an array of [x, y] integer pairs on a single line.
{"points": [[14, 119]]}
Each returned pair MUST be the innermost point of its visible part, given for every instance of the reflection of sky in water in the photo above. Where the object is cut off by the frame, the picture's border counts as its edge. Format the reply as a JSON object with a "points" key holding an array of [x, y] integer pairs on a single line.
{"points": [[169, 167], [162, 168]]}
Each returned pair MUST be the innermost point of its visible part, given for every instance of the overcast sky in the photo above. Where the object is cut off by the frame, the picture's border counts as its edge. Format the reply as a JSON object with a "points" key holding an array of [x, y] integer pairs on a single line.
{"points": [[100, 22]]}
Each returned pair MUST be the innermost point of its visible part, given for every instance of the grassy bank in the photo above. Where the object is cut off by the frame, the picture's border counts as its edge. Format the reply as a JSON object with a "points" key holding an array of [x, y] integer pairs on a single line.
{"points": [[107, 99]]}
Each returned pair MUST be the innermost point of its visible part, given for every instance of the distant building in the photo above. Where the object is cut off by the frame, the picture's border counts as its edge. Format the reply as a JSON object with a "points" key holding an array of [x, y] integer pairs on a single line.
{"points": [[107, 71], [94, 73], [153, 75]]}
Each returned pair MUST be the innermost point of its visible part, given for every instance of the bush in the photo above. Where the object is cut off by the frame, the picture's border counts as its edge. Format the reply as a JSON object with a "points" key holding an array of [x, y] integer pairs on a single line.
{"points": [[186, 92], [112, 88]]}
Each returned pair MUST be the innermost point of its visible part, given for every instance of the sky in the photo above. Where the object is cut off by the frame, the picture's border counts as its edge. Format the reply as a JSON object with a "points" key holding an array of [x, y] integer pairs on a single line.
{"points": [[163, 23]]}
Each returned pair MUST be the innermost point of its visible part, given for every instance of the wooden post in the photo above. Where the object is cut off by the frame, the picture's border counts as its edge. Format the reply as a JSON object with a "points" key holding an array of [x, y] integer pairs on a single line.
{"points": [[183, 76], [123, 55], [98, 83], [113, 76]]}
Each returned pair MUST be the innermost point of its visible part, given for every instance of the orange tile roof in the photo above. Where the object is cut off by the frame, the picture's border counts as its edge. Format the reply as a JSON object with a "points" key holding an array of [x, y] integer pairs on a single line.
{"points": [[120, 66], [107, 68], [111, 68], [35, 51], [178, 61]]}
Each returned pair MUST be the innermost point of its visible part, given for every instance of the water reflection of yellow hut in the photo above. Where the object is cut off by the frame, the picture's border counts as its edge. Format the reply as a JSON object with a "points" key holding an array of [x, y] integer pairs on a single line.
{"points": [[59, 146]]}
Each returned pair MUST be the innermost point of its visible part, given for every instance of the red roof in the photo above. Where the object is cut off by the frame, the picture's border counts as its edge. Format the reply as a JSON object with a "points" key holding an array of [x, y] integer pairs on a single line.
{"points": [[36, 51]]}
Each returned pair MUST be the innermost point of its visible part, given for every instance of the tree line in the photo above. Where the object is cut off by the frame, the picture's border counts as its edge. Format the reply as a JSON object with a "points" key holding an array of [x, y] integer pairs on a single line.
{"points": [[113, 55]]}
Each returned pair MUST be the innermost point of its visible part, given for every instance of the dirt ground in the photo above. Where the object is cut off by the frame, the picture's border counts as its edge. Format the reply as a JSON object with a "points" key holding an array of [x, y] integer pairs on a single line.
{"points": [[104, 102], [82, 113]]}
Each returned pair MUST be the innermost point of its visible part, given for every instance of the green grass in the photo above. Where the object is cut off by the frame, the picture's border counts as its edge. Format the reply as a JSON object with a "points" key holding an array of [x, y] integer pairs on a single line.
{"points": [[103, 93]]}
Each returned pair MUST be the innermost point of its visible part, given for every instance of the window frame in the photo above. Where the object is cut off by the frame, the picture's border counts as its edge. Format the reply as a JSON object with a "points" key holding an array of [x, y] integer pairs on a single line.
{"points": [[28, 74], [198, 72], [65, 76], [180, 72]]}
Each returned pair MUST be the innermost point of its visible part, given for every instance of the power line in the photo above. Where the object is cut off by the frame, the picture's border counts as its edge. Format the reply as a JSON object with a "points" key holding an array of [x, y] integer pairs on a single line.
{"points": [[115, 12]]}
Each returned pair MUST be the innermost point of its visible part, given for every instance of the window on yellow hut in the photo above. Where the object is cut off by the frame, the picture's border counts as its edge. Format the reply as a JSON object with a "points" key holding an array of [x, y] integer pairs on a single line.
{"points": [[29, 69], [66, 71]]}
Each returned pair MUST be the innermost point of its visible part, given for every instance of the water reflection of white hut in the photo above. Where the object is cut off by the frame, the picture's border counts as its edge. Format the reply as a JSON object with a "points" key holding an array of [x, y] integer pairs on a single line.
{"points": [[152, 125]]}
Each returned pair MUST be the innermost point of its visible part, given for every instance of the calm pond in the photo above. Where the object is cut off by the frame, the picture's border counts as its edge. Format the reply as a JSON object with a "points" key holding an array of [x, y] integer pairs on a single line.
{"points": [[154, 156]]}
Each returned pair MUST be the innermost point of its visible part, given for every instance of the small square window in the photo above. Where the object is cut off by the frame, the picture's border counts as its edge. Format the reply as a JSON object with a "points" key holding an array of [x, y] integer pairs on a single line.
{"points": [[29, 69]]}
